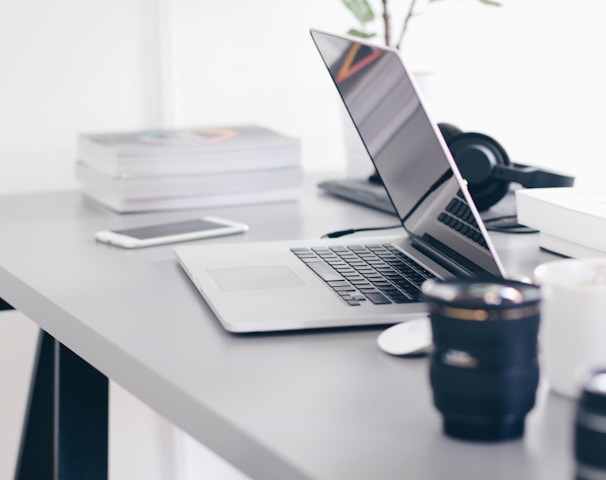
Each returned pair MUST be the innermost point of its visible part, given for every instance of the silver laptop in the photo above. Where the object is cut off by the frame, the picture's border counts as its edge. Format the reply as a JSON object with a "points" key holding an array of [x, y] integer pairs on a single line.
{"points": [[273, 286]]}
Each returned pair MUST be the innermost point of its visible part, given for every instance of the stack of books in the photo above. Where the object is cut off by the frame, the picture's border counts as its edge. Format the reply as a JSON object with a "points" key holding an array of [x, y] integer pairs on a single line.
{"points": [[189, 168], [571, 221]]}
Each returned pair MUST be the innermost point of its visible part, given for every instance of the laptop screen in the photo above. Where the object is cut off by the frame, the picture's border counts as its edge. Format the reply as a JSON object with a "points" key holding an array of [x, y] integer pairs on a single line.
{"points": [[409, 154]]}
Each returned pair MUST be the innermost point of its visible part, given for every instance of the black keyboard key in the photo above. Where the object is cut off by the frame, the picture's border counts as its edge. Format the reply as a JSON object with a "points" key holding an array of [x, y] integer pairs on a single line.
{"points": [[324, 271], [367, 289], [377, 298], [344, 289]]}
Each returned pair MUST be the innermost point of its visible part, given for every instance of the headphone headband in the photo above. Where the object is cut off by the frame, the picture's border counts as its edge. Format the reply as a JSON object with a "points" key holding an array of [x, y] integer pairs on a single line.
{"points": [[532, 177]]}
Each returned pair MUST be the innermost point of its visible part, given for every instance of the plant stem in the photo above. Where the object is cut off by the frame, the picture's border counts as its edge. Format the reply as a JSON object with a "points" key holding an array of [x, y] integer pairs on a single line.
{"points": [[406, 20], [386, 23]]}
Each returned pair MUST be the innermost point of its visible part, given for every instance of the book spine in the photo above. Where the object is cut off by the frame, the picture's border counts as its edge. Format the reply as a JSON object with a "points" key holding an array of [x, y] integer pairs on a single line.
{"points": [[223, 183], [558, 221], [122, 205], [174, 166], [565, 248]]}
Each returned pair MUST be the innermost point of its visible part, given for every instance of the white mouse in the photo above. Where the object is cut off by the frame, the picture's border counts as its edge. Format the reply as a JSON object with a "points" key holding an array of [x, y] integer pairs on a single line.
{"points": [[412, 337]]}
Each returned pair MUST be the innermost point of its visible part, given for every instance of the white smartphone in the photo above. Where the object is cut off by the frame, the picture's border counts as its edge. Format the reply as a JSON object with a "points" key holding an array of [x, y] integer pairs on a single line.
{"points": [[151, 235]]}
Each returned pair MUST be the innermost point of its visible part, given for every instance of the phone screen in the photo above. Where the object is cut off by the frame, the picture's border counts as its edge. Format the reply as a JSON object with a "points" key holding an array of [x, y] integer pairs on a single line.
{"points": [[167, 229]]}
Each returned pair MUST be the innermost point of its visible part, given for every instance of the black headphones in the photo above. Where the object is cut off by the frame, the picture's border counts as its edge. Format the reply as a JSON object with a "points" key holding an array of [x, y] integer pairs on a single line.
{"points": [[486, 167]]}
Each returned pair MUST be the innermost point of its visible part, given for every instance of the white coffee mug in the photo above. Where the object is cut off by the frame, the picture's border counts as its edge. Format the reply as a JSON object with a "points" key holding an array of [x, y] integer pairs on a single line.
{"points": [[573, 321]]}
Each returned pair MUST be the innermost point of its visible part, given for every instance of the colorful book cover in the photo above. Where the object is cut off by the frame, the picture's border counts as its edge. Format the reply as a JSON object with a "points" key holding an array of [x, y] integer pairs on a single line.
{"points": [[185, 141]]}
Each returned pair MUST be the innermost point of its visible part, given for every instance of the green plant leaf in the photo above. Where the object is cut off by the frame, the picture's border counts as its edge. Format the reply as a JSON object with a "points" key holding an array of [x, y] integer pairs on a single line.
{"points": [[354, 32], [361, 10]]}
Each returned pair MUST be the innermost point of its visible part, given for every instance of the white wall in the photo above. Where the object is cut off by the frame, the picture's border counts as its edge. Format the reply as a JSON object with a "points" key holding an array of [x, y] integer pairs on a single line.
{"points": [[67, 66], [533, 76], [72, 66], [258, 64], [528, 73]]}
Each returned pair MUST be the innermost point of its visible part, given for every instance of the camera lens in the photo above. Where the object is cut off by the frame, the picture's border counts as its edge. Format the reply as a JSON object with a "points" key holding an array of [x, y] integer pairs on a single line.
{"points": [[484, 366], [590, 429]]}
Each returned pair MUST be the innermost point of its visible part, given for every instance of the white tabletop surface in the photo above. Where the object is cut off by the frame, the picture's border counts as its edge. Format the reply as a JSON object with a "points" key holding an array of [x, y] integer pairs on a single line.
{"points": [[325, 405]]}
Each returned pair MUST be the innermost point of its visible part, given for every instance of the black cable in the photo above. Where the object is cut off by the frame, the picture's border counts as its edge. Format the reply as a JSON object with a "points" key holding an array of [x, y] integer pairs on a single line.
{"points": [[342, 233], [498, 219], [509, 225], [432, 188], [514, 228]]}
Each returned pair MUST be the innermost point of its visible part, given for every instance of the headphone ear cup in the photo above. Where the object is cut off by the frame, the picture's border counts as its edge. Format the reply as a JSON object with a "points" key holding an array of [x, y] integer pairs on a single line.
{"points": [[449, 131], [476, 156]]}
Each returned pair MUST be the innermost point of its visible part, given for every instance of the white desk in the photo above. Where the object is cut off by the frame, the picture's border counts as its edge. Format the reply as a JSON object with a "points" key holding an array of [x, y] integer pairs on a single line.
{"points": [[313, 405]]}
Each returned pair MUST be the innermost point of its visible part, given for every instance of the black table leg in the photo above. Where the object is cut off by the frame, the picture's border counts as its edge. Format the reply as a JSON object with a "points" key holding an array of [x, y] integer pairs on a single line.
{"points": [[81, 418], [65, 433], [36, 451], [4, 305]]}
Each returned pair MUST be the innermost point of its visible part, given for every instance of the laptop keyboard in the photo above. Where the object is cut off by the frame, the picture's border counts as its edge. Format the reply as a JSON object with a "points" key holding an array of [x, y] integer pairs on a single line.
{"points": [[380, 274]]}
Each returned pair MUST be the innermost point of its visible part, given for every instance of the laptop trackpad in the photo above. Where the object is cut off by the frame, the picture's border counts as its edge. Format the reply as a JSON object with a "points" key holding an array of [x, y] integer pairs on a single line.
{"points": [[255, 278]]}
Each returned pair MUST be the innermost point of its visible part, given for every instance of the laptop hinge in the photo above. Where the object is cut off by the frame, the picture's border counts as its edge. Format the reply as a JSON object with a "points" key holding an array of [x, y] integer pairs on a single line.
{"points": [[447, 257]]}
